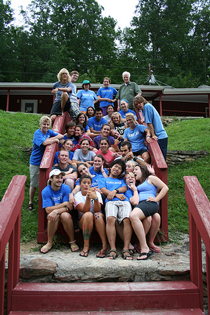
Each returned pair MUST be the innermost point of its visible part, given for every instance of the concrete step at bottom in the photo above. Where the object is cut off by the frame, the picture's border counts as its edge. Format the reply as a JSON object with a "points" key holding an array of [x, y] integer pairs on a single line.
{"points": [[186, 311]]}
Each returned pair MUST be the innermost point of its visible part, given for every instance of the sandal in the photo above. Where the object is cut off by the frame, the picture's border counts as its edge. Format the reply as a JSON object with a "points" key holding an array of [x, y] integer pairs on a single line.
{"points": [[30, 206], [148, 255], [102, 253], [45, 249], [74, 247], [84, 253], [128, 256], [111, 256]]}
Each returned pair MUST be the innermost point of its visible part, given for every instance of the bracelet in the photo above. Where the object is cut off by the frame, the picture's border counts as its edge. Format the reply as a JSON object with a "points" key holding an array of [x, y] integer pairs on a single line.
{"points": [[72, 242]]}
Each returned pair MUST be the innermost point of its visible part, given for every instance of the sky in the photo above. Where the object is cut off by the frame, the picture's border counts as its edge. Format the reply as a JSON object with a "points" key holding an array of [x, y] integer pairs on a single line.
{"points": [[123, 13]]}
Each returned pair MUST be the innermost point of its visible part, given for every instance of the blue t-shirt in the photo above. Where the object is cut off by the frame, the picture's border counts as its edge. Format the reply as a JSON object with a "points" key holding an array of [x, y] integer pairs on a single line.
{"points": [[92, 172], [52, 198], [86, 99], [58, 84], [95, 124], [98, 138], [73, 139], [129, 193], [122, 113], [38, 148], [106, 92], [111, 184], [56, 159], [151, 116], [136, 137], [96, 181]]}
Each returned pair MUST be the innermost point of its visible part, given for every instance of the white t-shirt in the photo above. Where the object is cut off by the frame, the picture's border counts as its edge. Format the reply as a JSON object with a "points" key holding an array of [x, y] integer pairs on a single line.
{"points": [[79, 198]]}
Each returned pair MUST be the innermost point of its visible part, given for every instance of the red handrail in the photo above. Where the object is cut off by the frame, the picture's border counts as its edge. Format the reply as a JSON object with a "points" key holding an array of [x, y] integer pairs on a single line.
{"points": [[161, 169], [45, 167], [199, 228], [10, 219]]}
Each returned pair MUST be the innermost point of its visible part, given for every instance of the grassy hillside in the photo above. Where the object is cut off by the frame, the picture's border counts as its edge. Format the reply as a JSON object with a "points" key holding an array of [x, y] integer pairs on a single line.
{"points": [[17, 131]]}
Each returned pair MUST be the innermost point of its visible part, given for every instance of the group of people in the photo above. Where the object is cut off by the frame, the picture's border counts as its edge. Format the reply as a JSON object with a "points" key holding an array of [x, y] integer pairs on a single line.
{"points": [[102, 171]]}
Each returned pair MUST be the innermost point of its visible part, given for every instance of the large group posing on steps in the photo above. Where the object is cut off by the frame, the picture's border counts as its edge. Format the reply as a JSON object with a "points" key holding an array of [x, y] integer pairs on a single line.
{"points": [[101, 177]]}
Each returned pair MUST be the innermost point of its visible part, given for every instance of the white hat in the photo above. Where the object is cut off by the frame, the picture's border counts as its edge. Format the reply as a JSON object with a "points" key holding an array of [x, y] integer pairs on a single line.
{"points": [[56, 172]]}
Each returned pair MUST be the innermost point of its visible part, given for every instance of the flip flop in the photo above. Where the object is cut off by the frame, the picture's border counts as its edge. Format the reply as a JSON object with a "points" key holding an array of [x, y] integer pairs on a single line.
{"points": [[111, 256], [47, 249], [155, 249], [84, 254], [132, 251], [148, 255], [102, 253]]}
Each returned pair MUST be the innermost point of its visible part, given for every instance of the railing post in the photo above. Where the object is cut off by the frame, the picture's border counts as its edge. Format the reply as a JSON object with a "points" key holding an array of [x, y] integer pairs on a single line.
{"points": [[2, 283]]}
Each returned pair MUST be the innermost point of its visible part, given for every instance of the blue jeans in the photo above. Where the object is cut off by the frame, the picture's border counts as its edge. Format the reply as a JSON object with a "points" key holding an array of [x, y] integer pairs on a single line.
{"points": [[163, 143]]}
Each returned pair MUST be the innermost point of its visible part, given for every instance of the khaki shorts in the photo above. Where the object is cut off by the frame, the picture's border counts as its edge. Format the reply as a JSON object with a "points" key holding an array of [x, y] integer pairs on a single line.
{"points": [[118, 209], [34, 175]]}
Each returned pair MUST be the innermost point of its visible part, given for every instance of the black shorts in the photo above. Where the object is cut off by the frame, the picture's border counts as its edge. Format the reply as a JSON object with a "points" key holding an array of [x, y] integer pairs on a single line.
{"points": [[140, 152], [148, 207], [56, 109]]}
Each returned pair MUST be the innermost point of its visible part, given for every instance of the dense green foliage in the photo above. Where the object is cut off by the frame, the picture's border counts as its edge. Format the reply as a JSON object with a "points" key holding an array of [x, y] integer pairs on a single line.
{"points": [[17, 131], [172, 36]]}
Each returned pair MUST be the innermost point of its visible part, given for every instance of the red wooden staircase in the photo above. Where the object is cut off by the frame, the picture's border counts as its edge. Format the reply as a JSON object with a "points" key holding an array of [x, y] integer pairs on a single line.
{"points": [[168, 297]]}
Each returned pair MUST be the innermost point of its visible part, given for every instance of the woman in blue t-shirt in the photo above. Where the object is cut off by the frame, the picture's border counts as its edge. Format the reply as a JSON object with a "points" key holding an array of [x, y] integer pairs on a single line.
{"points": [[145, 205]]}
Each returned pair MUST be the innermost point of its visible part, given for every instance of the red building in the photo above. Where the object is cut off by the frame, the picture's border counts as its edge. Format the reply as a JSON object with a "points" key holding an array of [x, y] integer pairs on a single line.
{"points": [[37, 98]]}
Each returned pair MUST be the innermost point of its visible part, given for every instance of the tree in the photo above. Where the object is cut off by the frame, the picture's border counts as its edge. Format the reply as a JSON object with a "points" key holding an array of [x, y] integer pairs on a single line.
{"points": [[5, 20]]}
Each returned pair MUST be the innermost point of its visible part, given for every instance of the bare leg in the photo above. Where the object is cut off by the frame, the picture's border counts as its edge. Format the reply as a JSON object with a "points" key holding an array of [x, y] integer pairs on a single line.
{"points": [[127, 233], [119, 228], [53, 117], [136, 218], [153, 232], [86, 225], [52, 226], [70, 183], [31, 194], [111, 232], [146, 157], [100, 227], [64, 99]]}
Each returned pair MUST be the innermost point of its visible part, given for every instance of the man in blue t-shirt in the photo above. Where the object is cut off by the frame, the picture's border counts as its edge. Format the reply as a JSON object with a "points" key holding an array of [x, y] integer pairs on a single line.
{"points": [[62, 91], [153, 120], [117, 208], [55, 201], [42, 137], [95, 123], [105, 95]]}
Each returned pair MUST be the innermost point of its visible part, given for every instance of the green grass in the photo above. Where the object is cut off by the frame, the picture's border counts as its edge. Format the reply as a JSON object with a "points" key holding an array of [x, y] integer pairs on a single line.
{"points": [[17, 131], [192, 135]]}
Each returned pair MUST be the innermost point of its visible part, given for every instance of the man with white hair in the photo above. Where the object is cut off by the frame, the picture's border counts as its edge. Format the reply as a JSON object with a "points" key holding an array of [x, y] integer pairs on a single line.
{"points": [[62, 90], [127, 90]]}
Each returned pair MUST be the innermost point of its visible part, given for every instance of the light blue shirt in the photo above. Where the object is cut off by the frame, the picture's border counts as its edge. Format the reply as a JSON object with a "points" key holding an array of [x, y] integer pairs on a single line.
{"points": [[95, 124], [151, 116], [136, 137], [86, 99]]}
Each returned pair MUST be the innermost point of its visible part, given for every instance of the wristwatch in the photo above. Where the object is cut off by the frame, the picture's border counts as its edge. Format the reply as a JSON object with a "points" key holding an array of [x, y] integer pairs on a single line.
{"points": [[117, 190], [95, 199]]}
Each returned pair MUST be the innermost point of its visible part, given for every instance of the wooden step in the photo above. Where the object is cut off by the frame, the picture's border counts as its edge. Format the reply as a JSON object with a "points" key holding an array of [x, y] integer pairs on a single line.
{"points": [[186, 311], [129, 296]]}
